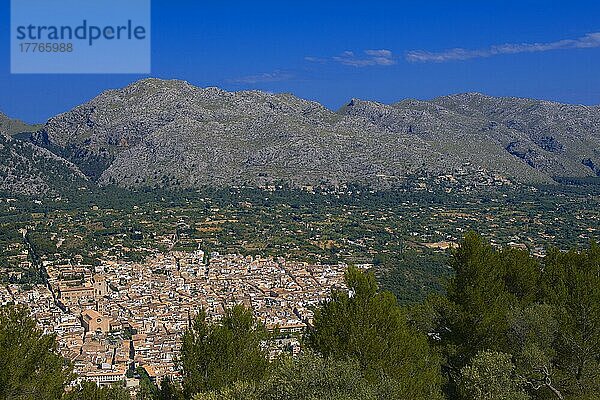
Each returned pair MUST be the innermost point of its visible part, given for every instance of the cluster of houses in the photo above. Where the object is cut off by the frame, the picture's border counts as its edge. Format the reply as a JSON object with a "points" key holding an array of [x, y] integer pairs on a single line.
{"points": [[118, 316]]}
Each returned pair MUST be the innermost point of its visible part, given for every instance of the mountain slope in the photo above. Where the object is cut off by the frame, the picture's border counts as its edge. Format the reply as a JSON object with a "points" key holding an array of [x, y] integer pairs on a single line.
{"points": [[466, 141], [26, 169], [11, 127], [560, 139], [160, 133]]}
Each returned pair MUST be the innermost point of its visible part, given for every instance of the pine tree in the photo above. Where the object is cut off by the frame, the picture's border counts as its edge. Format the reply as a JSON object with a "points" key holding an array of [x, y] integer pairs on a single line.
{"points": [[216, 355], [30, 366], [370, 327]]}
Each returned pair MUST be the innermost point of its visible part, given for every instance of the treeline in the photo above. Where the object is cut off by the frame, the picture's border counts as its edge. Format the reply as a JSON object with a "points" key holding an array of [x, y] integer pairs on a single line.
{"points": [[509, 327]]}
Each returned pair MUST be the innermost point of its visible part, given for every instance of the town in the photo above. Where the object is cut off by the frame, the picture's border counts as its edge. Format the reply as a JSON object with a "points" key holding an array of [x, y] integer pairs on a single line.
{"points": [[118, 316]]}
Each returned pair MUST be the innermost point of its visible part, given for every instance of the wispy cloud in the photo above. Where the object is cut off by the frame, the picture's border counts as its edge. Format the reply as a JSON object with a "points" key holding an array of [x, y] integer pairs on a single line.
{"points": [[367, 59], [591, 40], [275, 76]]}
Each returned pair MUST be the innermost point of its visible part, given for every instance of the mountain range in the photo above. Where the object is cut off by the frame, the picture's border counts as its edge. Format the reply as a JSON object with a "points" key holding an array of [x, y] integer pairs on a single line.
{"points": [[171, 134]]}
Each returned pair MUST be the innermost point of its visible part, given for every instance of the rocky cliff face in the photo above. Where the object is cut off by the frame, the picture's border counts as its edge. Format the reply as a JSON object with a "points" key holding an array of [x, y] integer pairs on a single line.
{"points": [[171, 134]]}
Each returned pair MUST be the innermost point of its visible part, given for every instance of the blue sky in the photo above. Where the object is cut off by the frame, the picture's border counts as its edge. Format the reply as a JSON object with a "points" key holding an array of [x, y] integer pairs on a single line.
{"points": [[334, 51]]}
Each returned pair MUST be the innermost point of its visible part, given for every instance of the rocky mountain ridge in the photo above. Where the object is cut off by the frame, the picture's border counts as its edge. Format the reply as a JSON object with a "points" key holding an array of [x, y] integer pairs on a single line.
{"points": [[157, 133]]}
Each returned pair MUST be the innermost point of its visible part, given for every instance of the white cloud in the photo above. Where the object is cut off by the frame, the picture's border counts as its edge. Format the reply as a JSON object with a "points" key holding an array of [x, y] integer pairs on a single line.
{"points": [[379, 53], [591, 40], [315, 60], [275, 76], [367, 59]]}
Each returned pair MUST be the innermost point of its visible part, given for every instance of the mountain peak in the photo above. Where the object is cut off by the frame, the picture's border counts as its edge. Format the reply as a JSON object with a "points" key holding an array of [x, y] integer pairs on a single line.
{"points": [[466, 96], [158, 82]]}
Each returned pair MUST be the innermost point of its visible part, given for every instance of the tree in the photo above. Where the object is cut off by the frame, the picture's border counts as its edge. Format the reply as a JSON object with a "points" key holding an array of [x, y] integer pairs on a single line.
{"points": [[308, 377], [521, 275], [491, 376], [368, 326], [234, 391], [478, 300], [489, 286], [311, 377], [90, 391], [216, 355], [169, 391], [571, 284], [30, 366], [531, 336], [546, 315], [147, 389]]}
